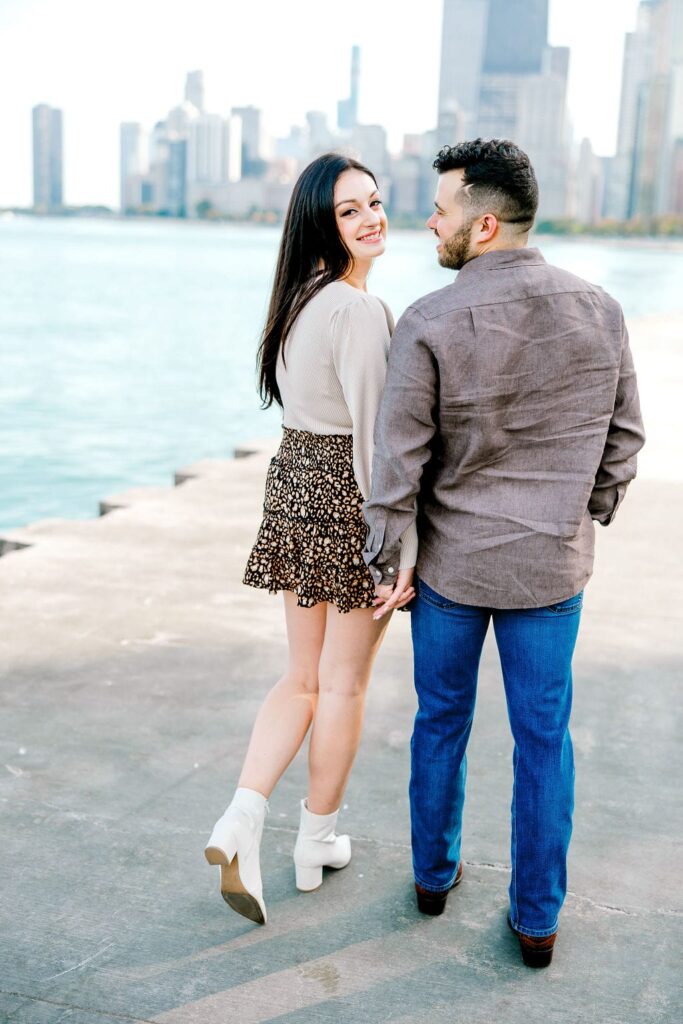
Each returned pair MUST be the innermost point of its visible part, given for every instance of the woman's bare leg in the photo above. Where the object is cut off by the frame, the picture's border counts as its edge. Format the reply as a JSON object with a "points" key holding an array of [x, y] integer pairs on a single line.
{"points": [[351, 643], [285, 715]]}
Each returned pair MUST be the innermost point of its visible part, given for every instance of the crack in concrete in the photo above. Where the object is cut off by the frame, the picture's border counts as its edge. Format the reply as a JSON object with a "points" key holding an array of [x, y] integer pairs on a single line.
{"points": [[389, 844], [75, 1006], [605, 906], [505, 868], [81, 964], [489, 865]]}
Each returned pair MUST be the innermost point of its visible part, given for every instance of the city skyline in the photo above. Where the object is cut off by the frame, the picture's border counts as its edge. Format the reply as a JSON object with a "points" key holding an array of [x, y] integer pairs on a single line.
{"points": [[499, 78], [91, 138]]}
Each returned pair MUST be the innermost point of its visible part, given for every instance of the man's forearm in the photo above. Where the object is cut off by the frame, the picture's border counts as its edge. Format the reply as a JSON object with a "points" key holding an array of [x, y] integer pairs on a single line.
{"points": [[625, 438], [404, 429]]}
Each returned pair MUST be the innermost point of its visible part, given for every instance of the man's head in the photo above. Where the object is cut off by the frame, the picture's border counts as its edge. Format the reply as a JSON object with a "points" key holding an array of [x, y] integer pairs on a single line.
{"points": [[486, 199]]}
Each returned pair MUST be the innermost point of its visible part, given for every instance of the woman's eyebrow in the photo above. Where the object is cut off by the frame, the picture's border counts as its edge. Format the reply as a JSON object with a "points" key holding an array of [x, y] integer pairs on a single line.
{"points": [[356, 201]]}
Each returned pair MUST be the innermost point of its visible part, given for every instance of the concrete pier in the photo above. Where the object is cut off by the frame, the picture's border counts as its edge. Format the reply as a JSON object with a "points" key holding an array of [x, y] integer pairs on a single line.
{"points": [[133, 662]]}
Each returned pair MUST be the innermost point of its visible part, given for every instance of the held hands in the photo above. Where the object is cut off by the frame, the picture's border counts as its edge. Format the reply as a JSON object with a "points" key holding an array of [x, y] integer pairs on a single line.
{"points": [[394, 595]]}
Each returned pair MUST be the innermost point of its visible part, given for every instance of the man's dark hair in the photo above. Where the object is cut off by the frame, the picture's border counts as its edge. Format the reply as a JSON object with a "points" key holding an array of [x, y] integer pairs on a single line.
{"points": [[498, 179]]}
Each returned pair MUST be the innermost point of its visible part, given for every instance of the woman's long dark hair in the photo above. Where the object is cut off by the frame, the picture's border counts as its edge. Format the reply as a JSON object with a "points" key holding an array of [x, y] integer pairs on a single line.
{"points": [[312, 254]]}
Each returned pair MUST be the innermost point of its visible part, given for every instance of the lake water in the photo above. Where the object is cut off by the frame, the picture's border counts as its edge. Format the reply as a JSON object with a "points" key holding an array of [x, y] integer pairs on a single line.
{"points": [[128, 347]]}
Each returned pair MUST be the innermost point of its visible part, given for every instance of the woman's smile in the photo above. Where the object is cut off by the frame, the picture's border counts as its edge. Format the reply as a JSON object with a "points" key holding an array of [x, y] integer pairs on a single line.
{"points": [[368, 239]]}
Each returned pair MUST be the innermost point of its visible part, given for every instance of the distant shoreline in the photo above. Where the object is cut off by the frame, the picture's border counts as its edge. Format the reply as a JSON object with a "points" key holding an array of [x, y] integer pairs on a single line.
{"points": [[623, 241], [671, 243]]}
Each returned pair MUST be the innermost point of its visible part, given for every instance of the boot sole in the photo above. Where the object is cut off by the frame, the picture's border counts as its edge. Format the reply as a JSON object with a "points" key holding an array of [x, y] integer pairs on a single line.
{"points": [[232, 889], [536, 958]]}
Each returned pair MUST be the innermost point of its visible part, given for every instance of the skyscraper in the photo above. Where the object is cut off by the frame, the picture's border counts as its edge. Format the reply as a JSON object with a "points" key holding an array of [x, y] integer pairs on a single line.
{"points": [[214, 160], [656, 162], [636, 62], [253, 164], [517, 36], [589, 183], [159, 156], [194, 89], [463, 42], [370, 143], [214, 150], [645, 178], [347, 110], [131, 165], [320, 138], [500, 79], [47, 158], [176, 174], [205, 150]]}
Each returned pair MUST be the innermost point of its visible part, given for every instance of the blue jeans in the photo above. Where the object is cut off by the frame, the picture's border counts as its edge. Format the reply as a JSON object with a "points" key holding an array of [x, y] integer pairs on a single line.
{"points": [[535, 646]]}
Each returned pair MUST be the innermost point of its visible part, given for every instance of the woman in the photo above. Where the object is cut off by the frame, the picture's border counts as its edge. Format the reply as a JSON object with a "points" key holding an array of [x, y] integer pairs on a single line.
{"points": [[323, 360]]}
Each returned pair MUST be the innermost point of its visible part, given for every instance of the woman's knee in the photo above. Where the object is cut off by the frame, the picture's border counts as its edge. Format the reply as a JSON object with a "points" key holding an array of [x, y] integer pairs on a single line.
{"points": [[303, 680], [343, 684]]}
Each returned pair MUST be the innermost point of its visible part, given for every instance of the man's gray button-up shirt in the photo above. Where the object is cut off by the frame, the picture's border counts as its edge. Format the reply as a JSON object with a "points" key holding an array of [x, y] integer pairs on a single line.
{"points": [[511, 413]]}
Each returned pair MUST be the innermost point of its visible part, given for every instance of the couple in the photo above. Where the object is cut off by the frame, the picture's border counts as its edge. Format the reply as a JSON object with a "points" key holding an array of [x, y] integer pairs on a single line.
{"points": [[506, 421]]}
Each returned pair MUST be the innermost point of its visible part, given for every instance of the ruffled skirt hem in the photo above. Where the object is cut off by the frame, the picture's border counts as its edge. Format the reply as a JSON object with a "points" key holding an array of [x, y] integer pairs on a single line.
{"points": [[312, 535]]}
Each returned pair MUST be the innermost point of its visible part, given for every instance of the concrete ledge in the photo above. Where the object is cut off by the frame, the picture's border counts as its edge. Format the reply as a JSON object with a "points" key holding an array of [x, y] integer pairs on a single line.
{"points": [[134, 496], [261, 446], [13, 540], [218, 471]]}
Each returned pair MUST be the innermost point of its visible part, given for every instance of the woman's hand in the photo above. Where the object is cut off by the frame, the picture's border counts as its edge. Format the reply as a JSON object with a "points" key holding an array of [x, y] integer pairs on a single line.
{"points": [[394, 595]]}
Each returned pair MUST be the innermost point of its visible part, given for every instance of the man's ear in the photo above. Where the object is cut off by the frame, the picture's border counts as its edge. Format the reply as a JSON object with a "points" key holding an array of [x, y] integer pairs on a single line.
{"points": [[487, 227]]}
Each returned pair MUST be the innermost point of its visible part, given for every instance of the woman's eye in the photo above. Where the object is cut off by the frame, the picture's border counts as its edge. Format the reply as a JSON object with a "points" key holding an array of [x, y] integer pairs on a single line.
{"points": [[347, 212], [376, 202]]}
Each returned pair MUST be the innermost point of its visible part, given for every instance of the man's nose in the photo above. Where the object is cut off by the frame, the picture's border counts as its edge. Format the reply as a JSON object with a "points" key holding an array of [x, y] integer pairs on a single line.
{"points": [[431, 223]]}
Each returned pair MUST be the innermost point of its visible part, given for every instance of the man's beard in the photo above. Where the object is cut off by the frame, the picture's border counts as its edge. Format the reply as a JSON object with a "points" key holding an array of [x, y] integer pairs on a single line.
{"points": [[456, 250]]}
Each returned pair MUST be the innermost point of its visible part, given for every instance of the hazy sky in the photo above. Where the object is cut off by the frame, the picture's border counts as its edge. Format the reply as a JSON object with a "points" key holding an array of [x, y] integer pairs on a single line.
{"points": [[104, 62]]}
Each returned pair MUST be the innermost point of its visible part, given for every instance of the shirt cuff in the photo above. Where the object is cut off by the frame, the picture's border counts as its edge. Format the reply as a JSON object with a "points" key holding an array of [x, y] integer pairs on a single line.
{"points": [[603, 515], [383, 562], [384, 574]]}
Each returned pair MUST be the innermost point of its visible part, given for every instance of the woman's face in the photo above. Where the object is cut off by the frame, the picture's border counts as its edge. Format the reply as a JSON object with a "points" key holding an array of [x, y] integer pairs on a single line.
{"points": [[360, 215]]}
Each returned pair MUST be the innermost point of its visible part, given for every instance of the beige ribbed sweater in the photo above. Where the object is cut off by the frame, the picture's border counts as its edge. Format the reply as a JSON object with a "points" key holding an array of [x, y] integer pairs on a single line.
{"points": [[332, 376]]}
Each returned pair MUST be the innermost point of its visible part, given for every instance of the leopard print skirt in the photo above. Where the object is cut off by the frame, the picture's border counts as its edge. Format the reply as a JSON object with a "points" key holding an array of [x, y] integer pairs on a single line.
{"points": [[313, 533]]}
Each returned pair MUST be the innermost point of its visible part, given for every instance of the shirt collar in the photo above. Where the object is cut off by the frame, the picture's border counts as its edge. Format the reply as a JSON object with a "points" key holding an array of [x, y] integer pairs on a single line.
{"points": [[499, 258]]}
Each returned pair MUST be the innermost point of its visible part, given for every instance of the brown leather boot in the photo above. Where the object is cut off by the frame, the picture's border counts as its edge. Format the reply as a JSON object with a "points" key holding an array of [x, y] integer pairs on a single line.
{"points": [[434, 903], [536, 952]]}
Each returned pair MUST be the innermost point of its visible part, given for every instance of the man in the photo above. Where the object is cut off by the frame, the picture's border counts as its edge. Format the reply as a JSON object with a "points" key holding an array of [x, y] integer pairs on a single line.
{"points": [[511, 415]]}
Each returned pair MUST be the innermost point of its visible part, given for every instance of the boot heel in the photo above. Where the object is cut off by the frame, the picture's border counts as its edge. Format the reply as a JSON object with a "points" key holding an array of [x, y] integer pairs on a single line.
{"points": [[308, 879], [234, 847]]}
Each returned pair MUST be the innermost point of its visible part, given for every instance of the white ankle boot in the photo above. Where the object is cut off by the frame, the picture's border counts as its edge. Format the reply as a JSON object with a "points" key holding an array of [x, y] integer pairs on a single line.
{"points": [[234, 845], [318, 847]]}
